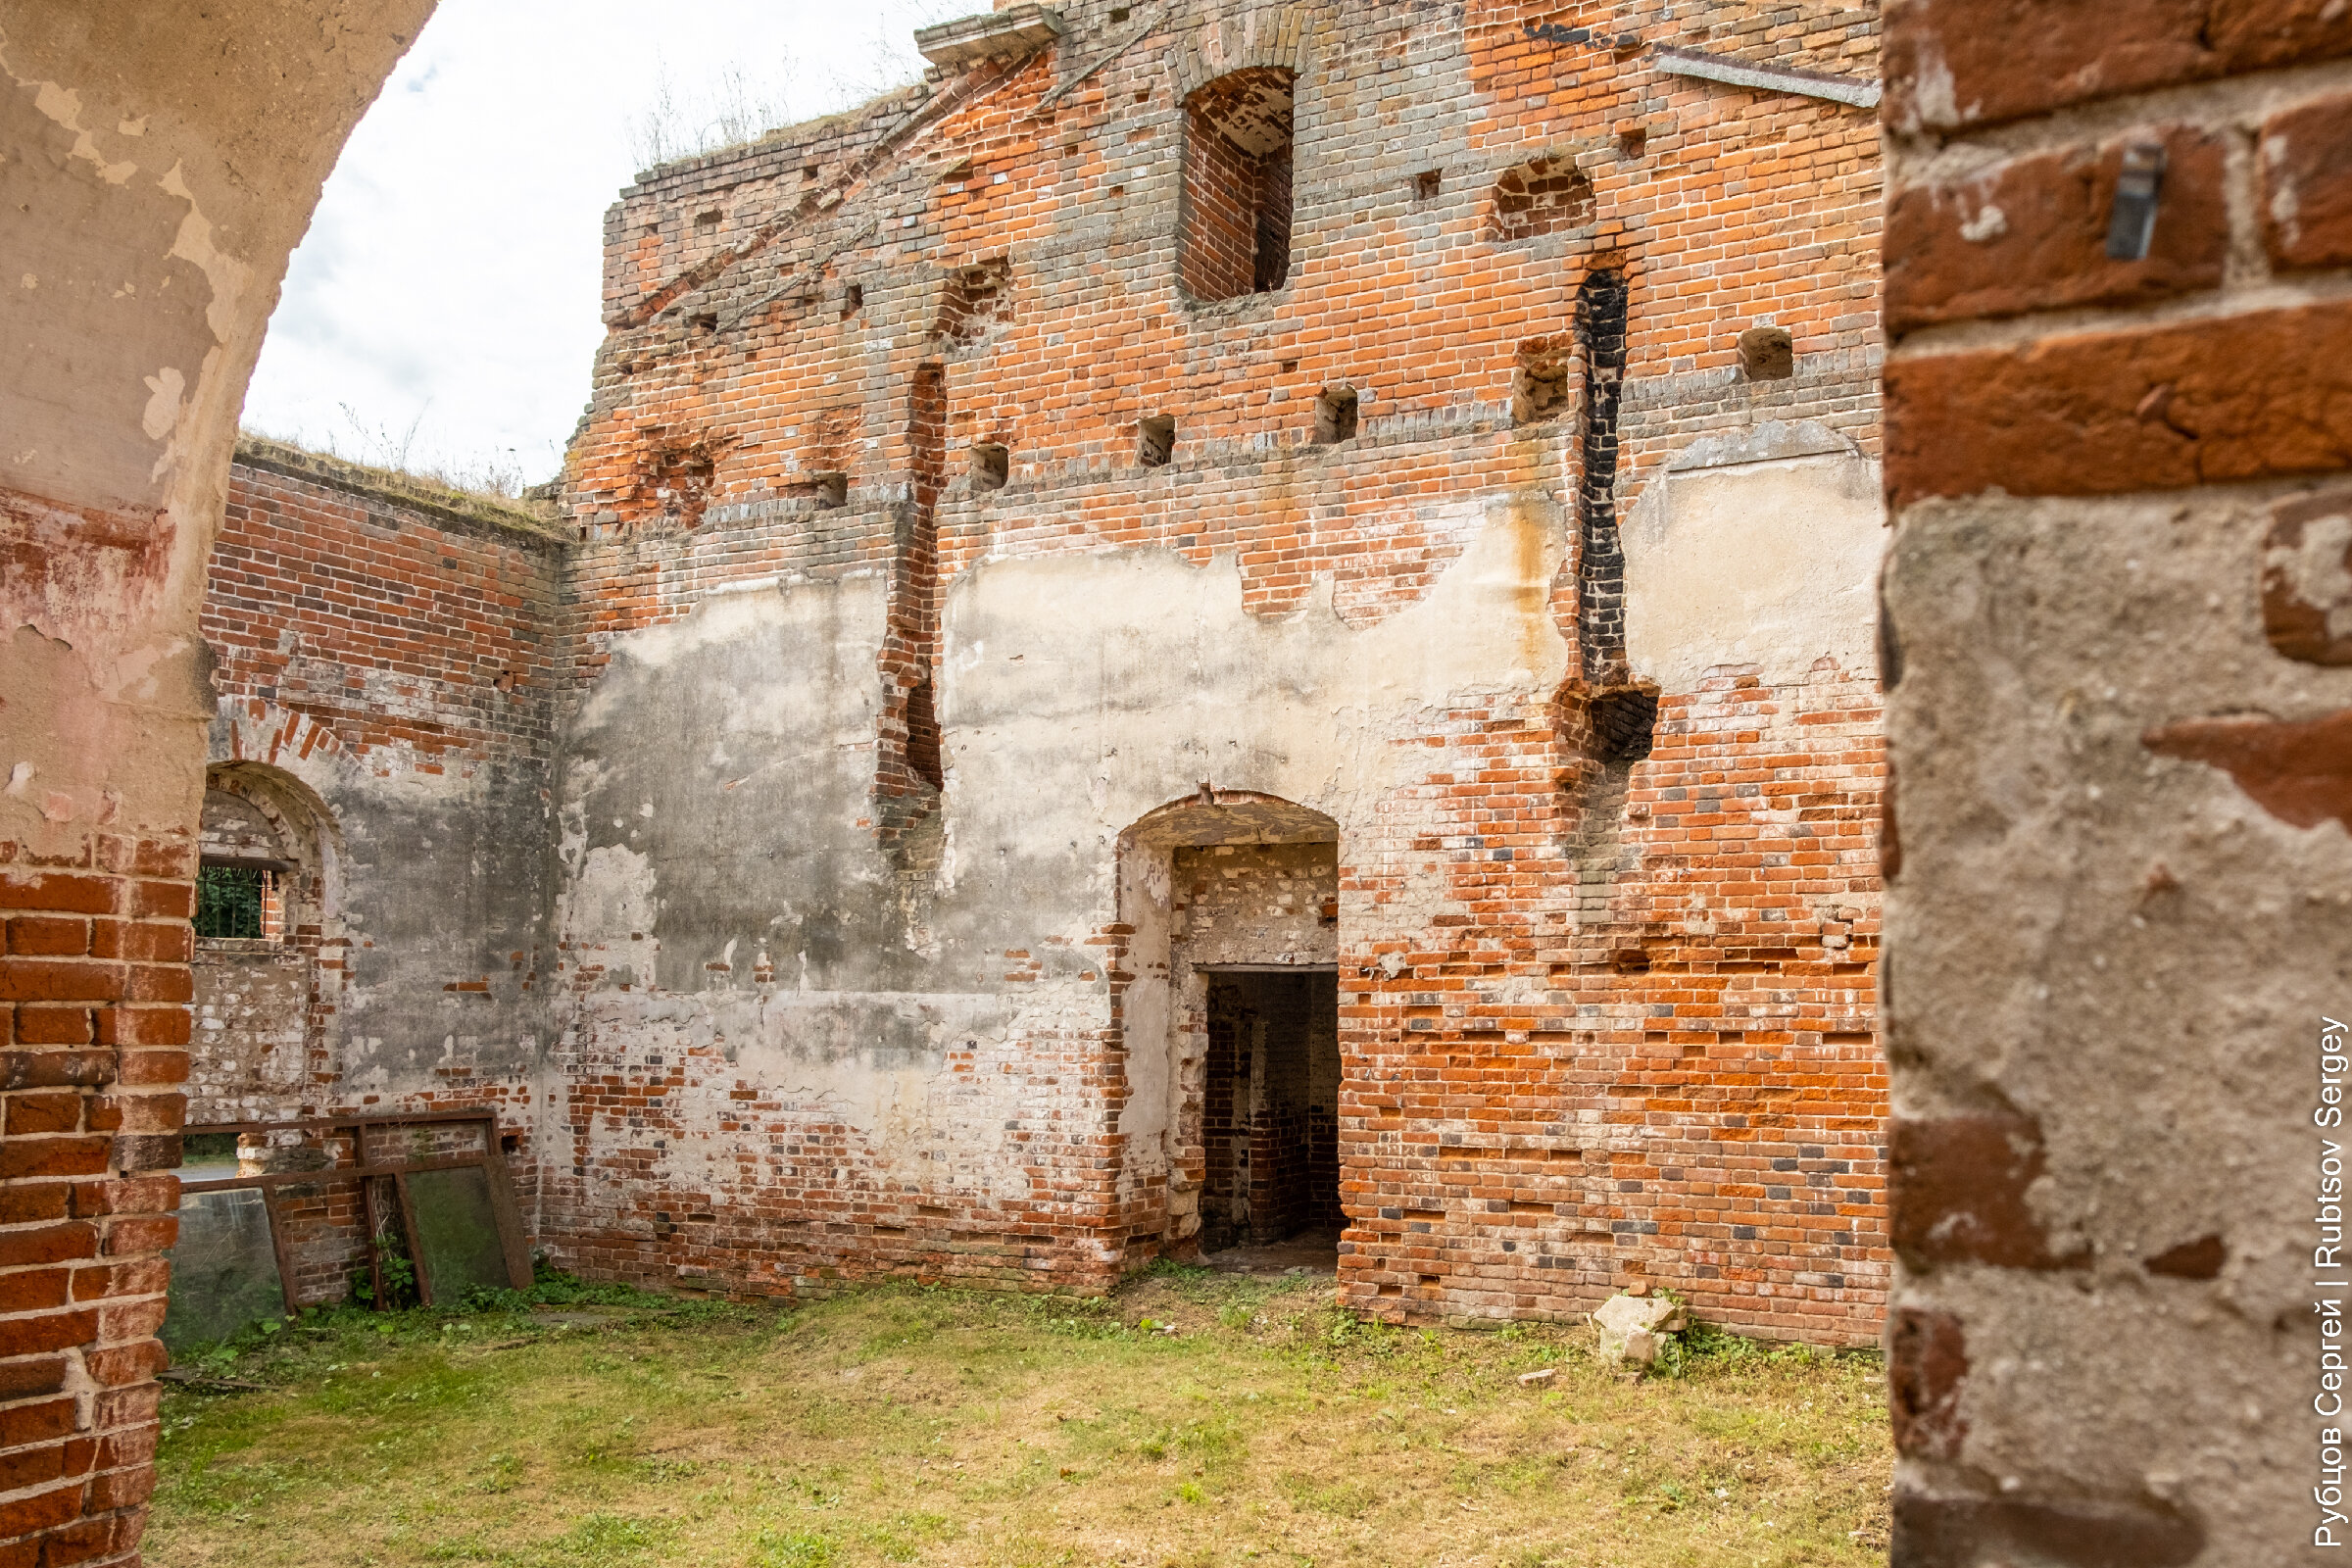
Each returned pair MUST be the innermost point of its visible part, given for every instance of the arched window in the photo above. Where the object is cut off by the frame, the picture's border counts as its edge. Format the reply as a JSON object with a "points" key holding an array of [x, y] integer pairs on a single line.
{"points": [[1234, 225], [265, 871], [266, 856], [246, 861]]}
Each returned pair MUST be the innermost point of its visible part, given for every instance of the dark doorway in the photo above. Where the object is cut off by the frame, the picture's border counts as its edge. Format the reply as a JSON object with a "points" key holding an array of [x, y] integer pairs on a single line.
{"points": [[1270, 1120]]}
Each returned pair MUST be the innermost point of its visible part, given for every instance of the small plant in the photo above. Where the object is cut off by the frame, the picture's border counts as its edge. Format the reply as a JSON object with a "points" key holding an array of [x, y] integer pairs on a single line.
{"points": [[399, 1276]]}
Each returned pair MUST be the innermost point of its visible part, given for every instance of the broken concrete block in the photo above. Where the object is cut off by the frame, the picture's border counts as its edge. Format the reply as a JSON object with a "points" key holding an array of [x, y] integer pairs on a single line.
{"points": [[1632, 1328]]}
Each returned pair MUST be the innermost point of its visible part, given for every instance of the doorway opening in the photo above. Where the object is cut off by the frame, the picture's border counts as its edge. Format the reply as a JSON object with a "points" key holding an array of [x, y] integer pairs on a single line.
{"points": [[1270, 1128]]}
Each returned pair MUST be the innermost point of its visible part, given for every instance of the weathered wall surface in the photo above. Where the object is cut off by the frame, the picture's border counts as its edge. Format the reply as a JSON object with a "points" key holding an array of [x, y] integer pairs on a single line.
{"points": [[157, 172], [839, 1007], [2117, 904], [385, 665]]}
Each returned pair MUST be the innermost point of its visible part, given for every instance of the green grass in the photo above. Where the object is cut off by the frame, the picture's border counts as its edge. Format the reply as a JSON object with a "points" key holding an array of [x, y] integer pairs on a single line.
{"points": [[906, 1425]]}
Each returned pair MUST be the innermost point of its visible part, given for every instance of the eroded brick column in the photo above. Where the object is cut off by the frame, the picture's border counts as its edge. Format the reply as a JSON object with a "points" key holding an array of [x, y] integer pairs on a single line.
{"points": [[2117, 609], [96, 978]]}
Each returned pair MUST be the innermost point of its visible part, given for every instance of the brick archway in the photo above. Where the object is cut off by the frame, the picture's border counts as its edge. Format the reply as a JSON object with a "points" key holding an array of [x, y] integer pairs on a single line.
{"points": [[160, 174]]}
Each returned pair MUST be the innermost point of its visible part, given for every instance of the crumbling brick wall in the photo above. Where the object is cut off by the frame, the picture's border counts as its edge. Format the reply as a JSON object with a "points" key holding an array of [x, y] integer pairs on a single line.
{"points": [[1653, 971], [2115, 258], [384, 655]]}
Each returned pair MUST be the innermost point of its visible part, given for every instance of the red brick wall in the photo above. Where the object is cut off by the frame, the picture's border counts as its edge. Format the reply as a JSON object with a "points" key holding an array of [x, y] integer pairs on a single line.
{"points": [[2100, 464], [415, 635], [386, 664], [93, 1048], [1665, 989]]}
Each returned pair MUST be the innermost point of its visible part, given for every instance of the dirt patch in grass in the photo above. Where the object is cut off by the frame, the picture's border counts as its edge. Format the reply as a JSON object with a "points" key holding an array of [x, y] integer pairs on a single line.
{"points": [[903, 1425]]}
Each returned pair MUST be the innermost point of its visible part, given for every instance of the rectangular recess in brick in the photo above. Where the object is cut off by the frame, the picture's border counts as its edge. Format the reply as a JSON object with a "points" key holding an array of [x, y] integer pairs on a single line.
{"points": [[1335, 415], [1234, 222], [1155, 440], [1540, 379], [992, 466]]}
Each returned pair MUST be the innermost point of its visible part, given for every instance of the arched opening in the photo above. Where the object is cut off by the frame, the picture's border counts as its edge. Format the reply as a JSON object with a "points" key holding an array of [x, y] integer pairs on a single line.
{"points": [[1234, 225], [265, 888], [1231, 1020]]}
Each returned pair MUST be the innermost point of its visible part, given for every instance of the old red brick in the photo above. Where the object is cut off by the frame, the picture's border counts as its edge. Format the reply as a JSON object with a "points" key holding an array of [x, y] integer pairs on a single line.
{"points": [[29, 1201], [2307, 591], [41, 1511], [52, 1156], [2234, 398], [49, 936], [55, 1069], [52, 1331], [1927, 1361], [25, 1377], [2301, 773], [54, 1026], [1957, 1187], [59, 980], [129, 1236], [33, 1290], [123, 1364], [67, 891], [2031, 233], [43, 1113], [144, 941], [2307, 183], [159, 982], [157, 900], [144, 1026], [1954, 64], [41, 1465]]}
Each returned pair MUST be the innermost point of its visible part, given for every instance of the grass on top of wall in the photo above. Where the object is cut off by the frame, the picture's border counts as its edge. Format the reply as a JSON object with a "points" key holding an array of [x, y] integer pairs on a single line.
{"points": [[901, 1424]]}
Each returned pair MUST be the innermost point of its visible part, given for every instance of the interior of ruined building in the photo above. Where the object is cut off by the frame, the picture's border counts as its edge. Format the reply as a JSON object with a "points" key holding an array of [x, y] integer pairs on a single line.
{"points": [[1223, 622], [876, 817]]}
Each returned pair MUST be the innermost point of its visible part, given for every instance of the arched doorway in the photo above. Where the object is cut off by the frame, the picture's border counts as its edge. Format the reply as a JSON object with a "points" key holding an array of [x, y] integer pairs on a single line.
{"points": [[1230, 1015]]}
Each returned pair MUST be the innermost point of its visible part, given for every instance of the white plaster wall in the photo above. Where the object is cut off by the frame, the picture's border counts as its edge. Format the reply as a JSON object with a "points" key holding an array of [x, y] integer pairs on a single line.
{"points": [[1759, 550], [1078, 694]]}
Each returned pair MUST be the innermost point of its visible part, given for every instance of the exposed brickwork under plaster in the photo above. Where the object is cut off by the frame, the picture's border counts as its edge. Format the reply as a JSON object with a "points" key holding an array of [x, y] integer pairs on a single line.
{"points": [[2111, 573], [1663, 971], [384, 661]]}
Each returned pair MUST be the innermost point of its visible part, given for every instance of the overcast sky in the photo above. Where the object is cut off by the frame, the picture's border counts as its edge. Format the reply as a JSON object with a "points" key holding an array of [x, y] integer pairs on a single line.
{"points": [[443, 308]]}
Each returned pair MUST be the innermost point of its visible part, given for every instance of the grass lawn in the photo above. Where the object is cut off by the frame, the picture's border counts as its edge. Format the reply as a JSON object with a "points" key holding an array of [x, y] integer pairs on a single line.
{"points": [[904, 1425]]}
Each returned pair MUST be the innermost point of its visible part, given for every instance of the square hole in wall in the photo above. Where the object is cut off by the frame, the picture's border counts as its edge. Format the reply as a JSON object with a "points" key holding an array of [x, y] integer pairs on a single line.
{"points": [[1425, 184], [992, 466], [1633, 141], [1155, 440], [1623, 723], [707, 322], [1540, 380], [1119, 12], [853, 300], [1335, 415], [975, 299], [709, 220], [830, 490], [1766, 354]]}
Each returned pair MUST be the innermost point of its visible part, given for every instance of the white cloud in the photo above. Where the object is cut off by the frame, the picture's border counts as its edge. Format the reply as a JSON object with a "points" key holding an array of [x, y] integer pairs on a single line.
{"points": [[443, 310]]}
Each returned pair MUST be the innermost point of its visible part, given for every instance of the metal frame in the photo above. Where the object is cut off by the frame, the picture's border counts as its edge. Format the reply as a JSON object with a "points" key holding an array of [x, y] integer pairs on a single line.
{"points": [[491, 1161]]}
